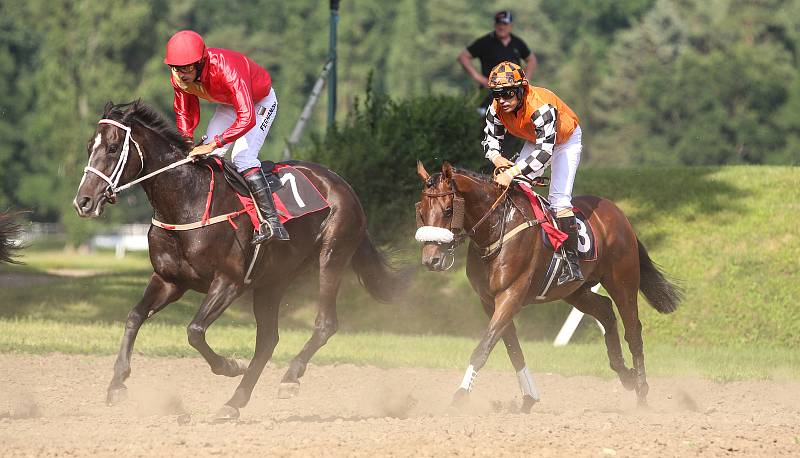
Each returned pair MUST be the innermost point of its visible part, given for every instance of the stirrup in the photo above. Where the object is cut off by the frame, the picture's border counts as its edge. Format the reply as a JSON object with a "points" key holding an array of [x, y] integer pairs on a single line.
{"points": [[264, 234], [570, 272]]}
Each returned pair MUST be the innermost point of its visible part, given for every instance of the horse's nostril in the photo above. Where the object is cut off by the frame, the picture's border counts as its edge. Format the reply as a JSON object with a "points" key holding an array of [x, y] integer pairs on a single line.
{"points": [[85, 203]]}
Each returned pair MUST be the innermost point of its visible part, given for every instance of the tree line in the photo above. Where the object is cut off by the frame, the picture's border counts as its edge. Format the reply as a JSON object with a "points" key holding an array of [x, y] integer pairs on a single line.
{"points": [[655, 82]]}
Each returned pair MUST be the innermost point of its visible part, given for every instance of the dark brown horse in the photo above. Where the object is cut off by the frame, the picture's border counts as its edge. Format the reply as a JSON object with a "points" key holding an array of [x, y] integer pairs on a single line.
{"points": [[511, 276], [133, 140]]}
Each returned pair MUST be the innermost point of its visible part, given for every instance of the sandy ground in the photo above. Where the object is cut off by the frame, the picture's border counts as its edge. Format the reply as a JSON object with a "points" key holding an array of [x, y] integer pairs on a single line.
{"points": [[54, 405]]}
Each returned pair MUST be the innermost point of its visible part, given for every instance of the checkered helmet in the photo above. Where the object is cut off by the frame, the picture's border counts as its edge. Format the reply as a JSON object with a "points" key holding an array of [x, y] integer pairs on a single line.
{"points": [[507, 74]]}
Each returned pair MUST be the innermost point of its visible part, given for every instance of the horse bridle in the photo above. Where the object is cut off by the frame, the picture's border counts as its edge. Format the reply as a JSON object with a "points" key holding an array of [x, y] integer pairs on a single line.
{"points": [[119, 168], [113, 180], [455, 234], [451, 238]]}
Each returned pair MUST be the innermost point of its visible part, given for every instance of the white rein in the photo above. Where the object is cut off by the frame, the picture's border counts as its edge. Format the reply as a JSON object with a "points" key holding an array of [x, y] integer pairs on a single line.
{"points": [[116, 174]]}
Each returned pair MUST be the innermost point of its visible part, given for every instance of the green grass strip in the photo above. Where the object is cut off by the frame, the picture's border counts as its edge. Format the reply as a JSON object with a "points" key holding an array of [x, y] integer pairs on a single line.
{"points": [[34, 336]]}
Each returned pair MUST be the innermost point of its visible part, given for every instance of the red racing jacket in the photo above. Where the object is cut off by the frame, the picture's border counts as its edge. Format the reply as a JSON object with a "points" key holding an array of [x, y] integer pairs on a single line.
{"points": [[228, 77]]}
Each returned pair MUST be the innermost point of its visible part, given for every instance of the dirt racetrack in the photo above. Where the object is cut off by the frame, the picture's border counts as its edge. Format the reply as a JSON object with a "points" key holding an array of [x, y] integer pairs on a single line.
{"points": [[54, 405]]}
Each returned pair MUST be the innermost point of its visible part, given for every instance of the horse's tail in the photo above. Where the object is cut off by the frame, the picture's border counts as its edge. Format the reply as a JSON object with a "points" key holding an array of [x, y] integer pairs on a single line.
{"points": [[662, 294], [383, 281], [9, 230]]}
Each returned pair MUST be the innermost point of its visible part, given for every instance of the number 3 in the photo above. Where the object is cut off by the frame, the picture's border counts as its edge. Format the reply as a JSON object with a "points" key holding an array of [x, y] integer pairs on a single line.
{"points": [[584, 242]]}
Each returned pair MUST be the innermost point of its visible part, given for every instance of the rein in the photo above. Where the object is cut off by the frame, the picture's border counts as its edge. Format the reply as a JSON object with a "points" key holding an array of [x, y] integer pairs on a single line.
{"points": [[456, 238], [116, 174]]}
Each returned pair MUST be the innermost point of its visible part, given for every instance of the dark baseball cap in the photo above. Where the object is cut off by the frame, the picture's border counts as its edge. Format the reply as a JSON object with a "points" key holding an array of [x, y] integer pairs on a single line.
{"points": [[503, 17]]}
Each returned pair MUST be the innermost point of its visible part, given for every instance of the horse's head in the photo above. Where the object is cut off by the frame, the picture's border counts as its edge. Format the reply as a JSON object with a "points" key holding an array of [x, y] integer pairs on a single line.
{"points": [[114, 158], [440, 217]]}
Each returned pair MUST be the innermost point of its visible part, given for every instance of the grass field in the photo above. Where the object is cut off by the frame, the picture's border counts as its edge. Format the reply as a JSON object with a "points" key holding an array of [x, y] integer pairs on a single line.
{"points": [[728, 234], [392, 350]]}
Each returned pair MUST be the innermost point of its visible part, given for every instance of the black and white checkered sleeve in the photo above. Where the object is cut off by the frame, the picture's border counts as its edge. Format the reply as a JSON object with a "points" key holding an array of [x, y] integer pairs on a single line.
{"points": [[494, 133], [544, 119]]}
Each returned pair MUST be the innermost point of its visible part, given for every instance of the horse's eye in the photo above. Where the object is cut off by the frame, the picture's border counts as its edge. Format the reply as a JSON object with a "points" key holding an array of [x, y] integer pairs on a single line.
{"points": [[448, 212], [113, 148]]}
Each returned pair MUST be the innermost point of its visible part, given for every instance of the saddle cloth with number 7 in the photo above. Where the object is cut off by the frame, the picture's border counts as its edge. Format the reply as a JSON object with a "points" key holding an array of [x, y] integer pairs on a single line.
{"points": [[294, 194]]}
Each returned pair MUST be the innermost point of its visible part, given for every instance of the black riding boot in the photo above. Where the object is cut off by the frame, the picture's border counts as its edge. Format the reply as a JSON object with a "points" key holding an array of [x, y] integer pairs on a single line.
{"points": [[571, 271], [271, 226]]}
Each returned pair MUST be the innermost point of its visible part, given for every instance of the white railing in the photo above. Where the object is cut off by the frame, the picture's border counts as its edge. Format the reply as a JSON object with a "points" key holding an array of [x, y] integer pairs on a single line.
{"points": [[127, 237]]}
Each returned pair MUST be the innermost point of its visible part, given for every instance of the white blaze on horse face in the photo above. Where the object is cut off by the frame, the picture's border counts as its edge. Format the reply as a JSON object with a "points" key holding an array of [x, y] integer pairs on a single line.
{"points": [[97, 140], [96, 145]]}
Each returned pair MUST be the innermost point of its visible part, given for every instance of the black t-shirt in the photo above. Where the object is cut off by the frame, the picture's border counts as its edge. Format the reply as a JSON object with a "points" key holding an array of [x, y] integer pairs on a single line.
{"points": [[491, 51]]}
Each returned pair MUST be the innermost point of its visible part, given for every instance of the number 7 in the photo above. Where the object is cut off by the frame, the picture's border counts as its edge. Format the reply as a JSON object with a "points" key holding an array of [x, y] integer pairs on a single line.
{"points": [[293, 182]]}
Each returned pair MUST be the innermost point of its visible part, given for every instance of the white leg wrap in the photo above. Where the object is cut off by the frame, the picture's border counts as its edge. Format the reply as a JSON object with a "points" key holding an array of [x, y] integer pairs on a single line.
{"points": [[526, 383], [469, 378]]}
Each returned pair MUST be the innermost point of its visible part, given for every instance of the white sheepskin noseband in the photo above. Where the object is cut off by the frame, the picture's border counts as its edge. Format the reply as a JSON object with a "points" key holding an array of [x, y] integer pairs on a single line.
{"points": [[434, 234]]}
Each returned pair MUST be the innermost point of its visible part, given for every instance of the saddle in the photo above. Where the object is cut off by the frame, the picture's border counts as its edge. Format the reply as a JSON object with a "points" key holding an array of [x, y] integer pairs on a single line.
{"points": [[552, 237], [238, 183], [294, 194]]}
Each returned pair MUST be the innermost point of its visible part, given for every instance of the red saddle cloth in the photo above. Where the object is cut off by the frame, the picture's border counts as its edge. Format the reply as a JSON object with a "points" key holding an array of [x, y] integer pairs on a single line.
{"points": [[297, 196], [556, 236]]}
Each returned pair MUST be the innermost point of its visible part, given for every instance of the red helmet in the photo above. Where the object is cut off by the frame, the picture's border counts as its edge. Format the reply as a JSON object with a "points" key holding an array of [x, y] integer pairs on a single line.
{"points": [[184, 48]]}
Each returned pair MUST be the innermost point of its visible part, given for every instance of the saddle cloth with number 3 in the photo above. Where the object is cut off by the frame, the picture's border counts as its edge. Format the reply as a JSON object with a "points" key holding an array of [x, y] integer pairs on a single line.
{"points": [[587, 249]]}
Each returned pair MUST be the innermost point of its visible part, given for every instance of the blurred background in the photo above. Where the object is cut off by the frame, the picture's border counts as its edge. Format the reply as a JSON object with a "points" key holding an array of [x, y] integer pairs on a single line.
{"points": [[690, 111]]}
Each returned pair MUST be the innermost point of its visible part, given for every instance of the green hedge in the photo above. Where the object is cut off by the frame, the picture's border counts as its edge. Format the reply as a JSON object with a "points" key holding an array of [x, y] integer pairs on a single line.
{"points": [[376, 148]]}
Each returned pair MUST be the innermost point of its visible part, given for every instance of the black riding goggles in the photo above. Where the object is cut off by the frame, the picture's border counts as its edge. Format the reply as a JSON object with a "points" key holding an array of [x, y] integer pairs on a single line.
{"points": [[504, 93]]}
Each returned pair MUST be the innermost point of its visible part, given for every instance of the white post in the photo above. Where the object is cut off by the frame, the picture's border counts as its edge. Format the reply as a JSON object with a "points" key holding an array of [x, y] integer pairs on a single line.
{"points": [[119, 251], [571, 324]]}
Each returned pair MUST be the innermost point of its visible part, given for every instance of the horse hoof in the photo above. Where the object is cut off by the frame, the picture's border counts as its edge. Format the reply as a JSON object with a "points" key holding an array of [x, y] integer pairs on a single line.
{"points": [[230, 368], [226, 414], [628, 379], [460, 398], [527, 404], [116, 395], [288, 390]]}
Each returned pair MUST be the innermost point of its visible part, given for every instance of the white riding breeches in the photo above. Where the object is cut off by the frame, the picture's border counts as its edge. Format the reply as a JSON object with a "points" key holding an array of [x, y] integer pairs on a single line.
{"points": [[246, 147], [566, 158]]}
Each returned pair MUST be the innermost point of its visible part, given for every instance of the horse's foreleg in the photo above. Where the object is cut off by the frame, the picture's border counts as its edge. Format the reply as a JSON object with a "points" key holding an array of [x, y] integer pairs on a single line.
{"points": [[530, 395], [265, 307], [220, 295], [507, 304], [326, 324], [600, 307], [157, 295]]}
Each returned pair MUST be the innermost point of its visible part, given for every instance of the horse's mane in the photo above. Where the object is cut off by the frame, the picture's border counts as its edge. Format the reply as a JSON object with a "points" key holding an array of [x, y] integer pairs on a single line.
{"points": [[437, 177], [148, 117]]}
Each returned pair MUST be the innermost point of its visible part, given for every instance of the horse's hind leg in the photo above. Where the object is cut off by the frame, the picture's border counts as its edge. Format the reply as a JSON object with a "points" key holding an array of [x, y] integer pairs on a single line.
{"points": [[530, 395], [332, 265], [624, 293], [600, 307], [220, 295], [266, 301], [157, 295]]}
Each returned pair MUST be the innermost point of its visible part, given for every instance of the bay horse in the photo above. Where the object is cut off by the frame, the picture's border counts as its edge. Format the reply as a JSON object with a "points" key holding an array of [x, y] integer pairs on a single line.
{"points": [[509, 276], [133, 140]]}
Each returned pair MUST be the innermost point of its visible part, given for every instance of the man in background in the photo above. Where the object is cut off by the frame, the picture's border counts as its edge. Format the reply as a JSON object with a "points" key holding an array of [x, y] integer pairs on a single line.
{"points": [[495, 47]]}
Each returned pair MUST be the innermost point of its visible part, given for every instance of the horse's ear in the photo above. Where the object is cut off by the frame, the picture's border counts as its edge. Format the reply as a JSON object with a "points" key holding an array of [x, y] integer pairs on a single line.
{"points": [[447, 170], [422, 172]]}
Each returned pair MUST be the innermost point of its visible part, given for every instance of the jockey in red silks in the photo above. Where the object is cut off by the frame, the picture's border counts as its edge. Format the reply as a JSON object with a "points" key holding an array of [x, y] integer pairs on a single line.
{"points": [[246, 107]]}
